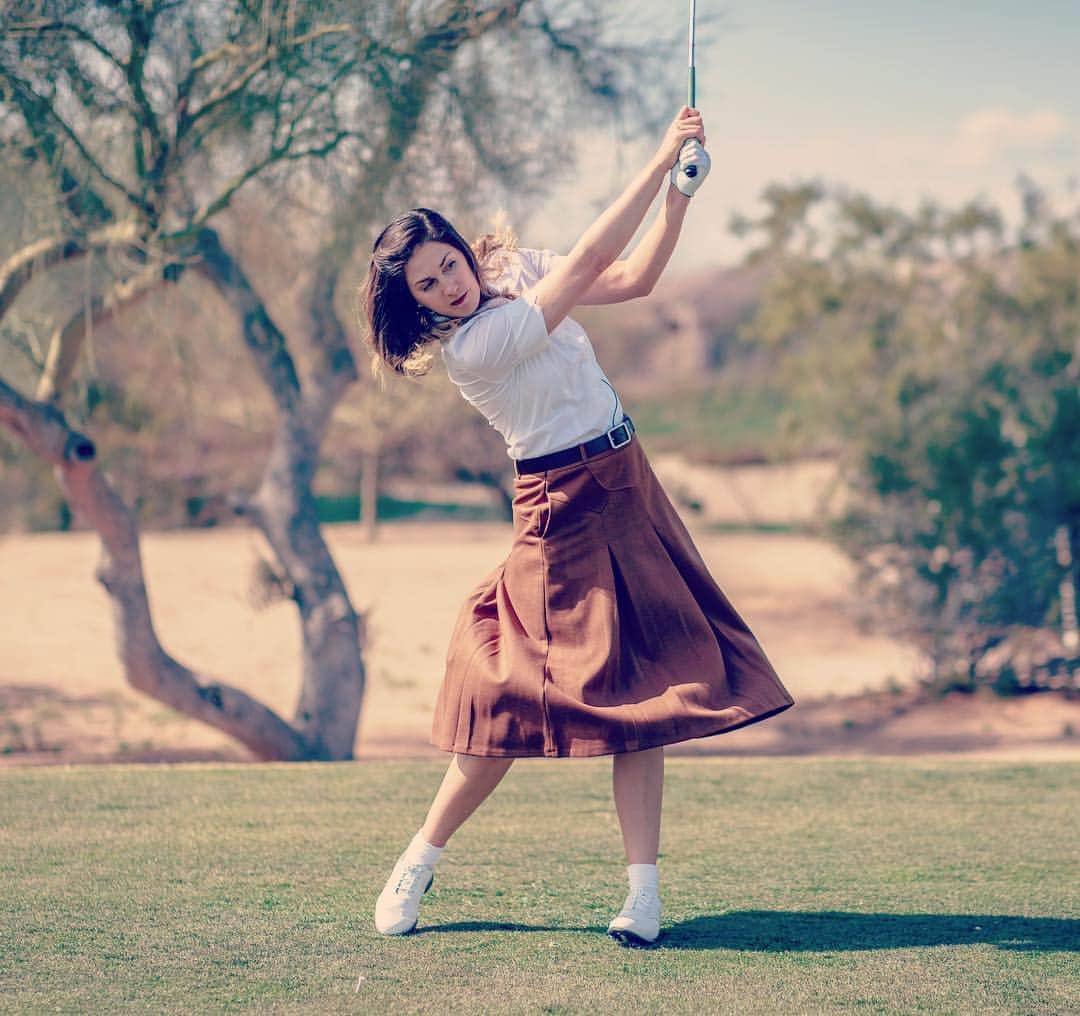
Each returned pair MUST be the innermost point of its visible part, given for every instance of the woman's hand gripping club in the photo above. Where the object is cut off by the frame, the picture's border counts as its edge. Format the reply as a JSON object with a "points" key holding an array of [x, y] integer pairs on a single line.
{"points": [[693, 166], [684, 145]]}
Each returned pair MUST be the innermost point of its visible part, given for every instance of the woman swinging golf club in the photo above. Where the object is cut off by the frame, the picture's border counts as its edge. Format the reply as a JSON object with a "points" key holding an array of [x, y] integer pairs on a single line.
{"points": [[602, 633]]}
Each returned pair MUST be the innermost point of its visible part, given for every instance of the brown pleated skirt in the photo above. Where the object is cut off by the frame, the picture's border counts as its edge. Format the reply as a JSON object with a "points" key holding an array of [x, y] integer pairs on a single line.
{"points": [[602, 632]]}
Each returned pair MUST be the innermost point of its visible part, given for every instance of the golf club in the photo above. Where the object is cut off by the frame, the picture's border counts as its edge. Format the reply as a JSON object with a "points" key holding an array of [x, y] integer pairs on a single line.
{"points": [[691, 87]]}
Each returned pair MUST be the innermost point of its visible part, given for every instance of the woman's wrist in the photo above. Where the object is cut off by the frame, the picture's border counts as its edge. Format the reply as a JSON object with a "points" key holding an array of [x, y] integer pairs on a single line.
{"points": [[675, 197], [660, 163]]}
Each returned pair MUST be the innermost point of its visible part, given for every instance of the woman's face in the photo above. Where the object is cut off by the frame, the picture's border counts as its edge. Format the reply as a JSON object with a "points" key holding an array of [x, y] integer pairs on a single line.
{"points": [[439, 278]]}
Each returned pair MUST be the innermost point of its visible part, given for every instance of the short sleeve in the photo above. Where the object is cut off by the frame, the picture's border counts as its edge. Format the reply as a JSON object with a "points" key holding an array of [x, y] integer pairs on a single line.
{"points": [[536, 262], [492, 344]]}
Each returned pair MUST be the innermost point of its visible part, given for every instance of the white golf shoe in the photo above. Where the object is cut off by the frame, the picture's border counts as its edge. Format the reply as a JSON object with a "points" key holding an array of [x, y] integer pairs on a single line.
{"points": [[638, 923], [398, 905]]}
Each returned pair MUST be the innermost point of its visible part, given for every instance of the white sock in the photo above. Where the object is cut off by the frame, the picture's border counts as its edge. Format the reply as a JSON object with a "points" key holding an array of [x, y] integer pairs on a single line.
{"points": [[643, 875], [419, 851]]}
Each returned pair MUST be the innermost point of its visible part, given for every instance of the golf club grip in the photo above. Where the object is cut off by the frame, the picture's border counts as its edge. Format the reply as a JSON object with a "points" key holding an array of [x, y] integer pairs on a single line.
{"points": [[690, 171]]}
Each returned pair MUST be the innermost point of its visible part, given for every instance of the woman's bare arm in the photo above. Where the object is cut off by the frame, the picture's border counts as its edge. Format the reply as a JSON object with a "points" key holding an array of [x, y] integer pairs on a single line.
{"points": [[565, 286], [638, 274]]}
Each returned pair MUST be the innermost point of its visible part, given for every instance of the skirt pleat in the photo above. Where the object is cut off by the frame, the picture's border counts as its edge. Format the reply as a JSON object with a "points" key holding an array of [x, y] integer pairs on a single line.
{"points": [[602, 632]]}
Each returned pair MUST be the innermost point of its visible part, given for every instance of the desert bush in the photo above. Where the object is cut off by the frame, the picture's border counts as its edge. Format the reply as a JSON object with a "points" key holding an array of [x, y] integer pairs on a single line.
{"points": [[941, 348]]}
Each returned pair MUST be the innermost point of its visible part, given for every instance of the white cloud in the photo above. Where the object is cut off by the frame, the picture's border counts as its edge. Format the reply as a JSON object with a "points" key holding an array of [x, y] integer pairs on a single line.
{"points": [[994, 133]]}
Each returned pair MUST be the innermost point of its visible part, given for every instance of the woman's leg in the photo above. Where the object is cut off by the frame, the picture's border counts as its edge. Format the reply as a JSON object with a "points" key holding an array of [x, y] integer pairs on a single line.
{"points": [[467, 783], [638, 784]]}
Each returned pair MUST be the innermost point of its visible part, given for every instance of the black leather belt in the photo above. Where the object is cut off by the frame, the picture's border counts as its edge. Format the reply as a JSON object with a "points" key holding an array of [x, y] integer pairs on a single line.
{"points": [[614, 438]]}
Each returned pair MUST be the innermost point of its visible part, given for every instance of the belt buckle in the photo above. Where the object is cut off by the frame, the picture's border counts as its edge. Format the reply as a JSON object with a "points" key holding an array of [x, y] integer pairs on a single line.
{"points": [[623, 427]]}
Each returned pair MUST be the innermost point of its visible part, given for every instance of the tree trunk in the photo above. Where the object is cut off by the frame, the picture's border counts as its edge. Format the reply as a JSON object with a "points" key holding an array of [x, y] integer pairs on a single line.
{"points": [[147, 667], [369, 494], [283, 509], [1070, 636]]}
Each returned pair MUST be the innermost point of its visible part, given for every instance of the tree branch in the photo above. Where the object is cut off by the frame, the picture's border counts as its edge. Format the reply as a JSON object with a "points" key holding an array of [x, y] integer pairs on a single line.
{"points": [[277, 154], [453, 24], [35, 107], [140, 31], [269, 53], [24, 264], [43, 25], [67, 341], [261, 335], [43, 429]]}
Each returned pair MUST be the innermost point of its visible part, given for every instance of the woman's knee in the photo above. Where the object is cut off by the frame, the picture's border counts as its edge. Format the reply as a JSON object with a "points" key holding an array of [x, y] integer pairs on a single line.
{"points": [[647, 758], [478, 767]]}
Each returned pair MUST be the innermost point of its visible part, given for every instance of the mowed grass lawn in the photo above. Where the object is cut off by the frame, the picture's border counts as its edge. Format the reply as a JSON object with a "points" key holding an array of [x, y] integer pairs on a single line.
{"points": [[789, 886]]}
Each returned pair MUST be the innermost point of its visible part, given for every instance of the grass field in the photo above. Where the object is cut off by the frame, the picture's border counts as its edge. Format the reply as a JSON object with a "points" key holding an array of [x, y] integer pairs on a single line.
{"points": [[872, 886]]}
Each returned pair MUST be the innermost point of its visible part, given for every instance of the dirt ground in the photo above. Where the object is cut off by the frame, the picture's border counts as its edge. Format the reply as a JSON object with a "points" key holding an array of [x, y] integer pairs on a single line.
{"points": [[63, 697]]}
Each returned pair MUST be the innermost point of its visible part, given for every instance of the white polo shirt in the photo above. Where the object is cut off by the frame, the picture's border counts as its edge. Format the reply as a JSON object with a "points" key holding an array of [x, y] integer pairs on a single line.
{"points": [[542, 392]]}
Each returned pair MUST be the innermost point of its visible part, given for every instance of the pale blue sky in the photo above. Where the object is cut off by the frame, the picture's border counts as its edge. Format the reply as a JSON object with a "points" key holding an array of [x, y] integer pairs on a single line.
{"points": [[948, 100]]}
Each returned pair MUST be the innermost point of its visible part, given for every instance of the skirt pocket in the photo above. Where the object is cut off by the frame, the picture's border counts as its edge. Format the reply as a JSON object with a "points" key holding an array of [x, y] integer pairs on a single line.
{"points": [[572, 489], [613, 471]]}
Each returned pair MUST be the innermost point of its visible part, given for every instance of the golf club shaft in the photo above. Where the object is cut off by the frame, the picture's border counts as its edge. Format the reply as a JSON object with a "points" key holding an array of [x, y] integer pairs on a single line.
{"points": [[691, 89]]}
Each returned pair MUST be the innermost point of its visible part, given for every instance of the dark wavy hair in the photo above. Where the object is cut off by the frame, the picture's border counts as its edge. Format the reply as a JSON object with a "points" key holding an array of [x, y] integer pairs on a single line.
{"points": [[398, 326]]}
